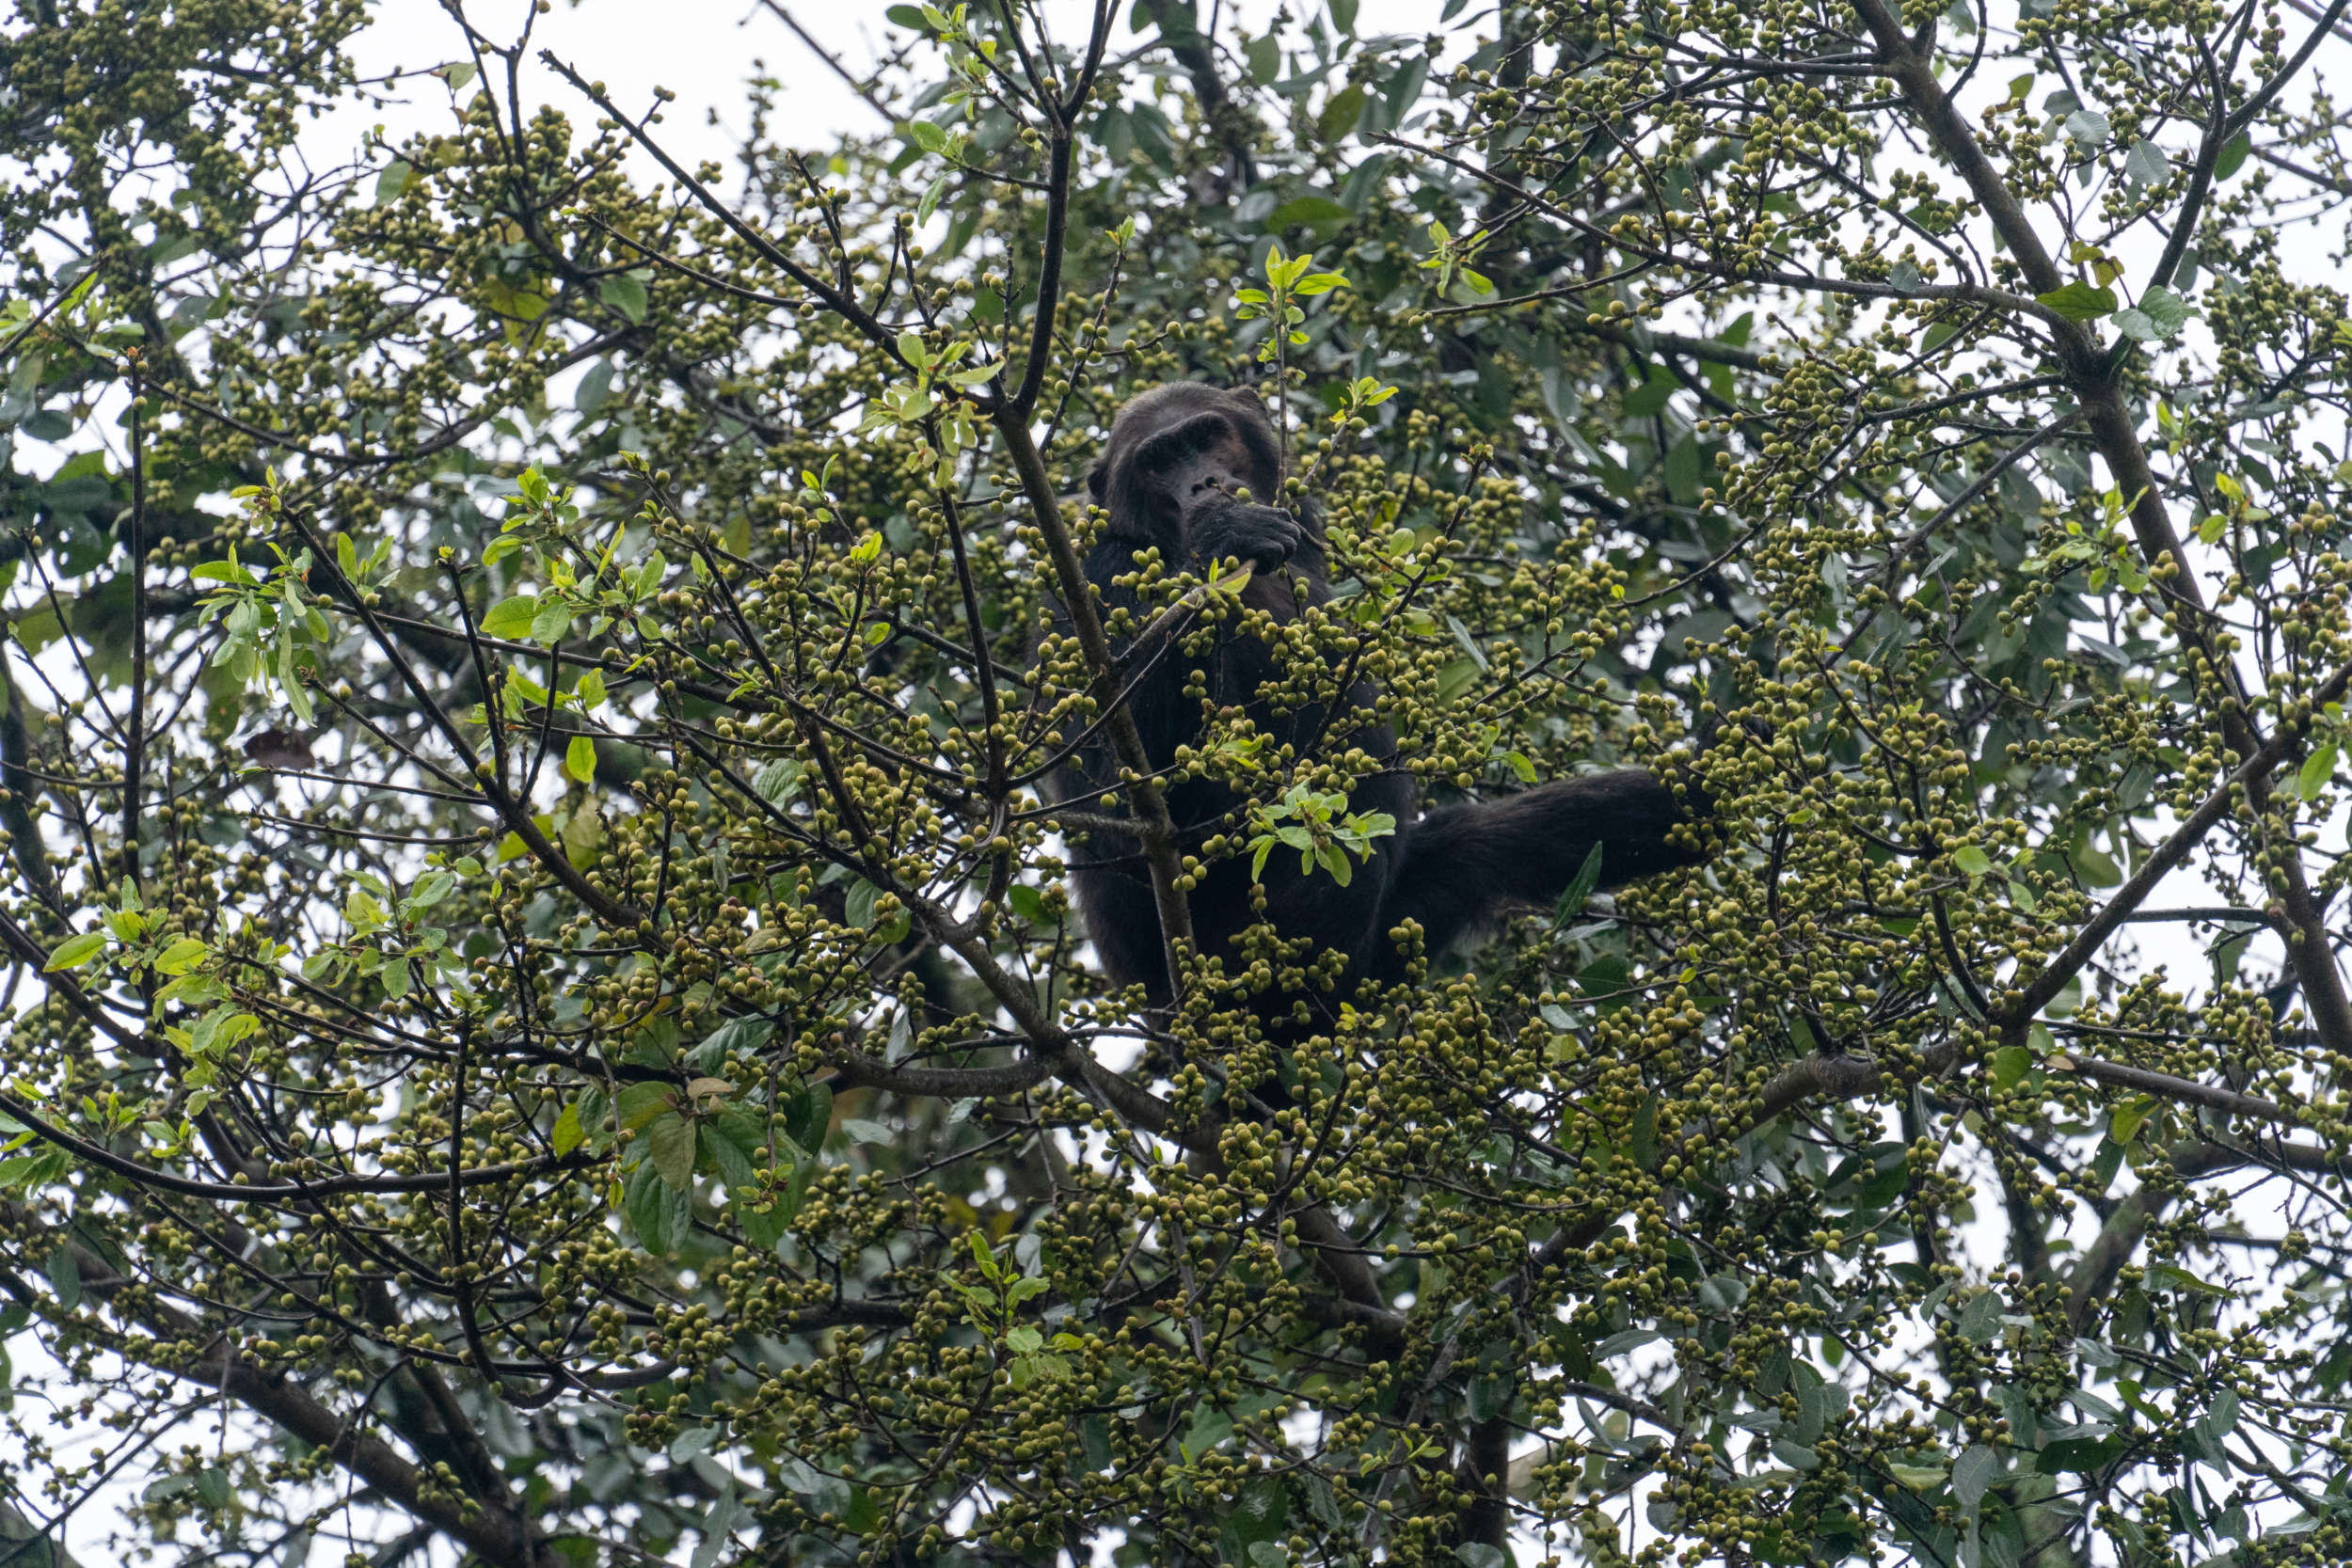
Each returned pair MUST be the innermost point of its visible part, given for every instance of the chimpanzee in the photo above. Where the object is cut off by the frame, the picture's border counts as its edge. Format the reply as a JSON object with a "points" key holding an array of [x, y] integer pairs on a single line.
{"points": [[1185, 470]]}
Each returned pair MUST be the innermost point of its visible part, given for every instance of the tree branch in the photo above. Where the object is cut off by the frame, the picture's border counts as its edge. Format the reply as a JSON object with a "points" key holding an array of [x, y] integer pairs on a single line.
{"points": [[2090, 376]]}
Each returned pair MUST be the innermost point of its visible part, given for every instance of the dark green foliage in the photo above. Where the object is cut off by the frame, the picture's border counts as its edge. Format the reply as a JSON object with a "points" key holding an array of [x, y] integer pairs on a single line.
{"points": [[546, 986]]}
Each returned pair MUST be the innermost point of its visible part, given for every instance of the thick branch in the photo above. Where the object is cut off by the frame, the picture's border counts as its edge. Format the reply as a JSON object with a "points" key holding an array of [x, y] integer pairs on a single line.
{"points": [[1144, 802], [1856, 1077], [98, 1155], [1915, 74], [2156, 867], [2090, 374], [2185, 1091]]}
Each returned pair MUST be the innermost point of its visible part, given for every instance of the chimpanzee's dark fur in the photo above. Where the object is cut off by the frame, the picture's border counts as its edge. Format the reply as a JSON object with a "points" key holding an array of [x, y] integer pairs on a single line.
{"points": [[1168, 477]]}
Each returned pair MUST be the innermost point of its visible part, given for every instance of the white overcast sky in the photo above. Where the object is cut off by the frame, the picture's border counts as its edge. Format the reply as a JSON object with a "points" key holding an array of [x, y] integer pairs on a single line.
{"points": [[704, 50]]}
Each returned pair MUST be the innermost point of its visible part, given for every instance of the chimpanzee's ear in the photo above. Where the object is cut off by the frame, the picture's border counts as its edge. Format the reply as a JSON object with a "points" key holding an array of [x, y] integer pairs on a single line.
{"points": [[1097, 475], [1250, 405]]}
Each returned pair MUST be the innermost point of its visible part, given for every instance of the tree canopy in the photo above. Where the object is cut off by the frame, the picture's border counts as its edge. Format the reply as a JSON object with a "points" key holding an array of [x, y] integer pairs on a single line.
{"points": [[546, 1020]]}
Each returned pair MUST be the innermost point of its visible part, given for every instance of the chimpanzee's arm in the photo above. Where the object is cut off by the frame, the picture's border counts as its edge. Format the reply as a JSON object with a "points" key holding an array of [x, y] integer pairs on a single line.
{"points": [[1462, 862]]}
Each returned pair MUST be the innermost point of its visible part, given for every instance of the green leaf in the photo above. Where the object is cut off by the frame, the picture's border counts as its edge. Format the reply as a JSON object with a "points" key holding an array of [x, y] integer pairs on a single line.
{"points": [[1981, 1320], [2089, 129], [641, 1102], [579, 759], [1652, 395], [1972, 1473], [929, 204], [197, 989], [670, 1149], [74, 952], [2069, 998], [778, 780], [1260, 1511], [2105, 1161], [65, 1276], [765, 1226], [2318, 768], [650, 571], [595, 386], [658, 1212], [181, 956], [626, 295], [2078, 1454], [1265, 59], [362, 910], [554, 622], [2079, 301], [1339, 114], [1319, 213], [2010, 1064], [510, 619], [1685, 471], [2172, 1277], [814, 1119], [2232, 155], [393, 180], [2124, 1121], [567, 1133], [2161, 314], [728, 1157], [737, 1038], [1579, 888], [2147, 163], [37, 629], [2096, 867], [1972, 859]]}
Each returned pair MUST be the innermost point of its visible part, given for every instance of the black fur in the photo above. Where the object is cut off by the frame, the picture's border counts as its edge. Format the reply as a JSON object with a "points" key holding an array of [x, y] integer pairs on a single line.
{"points": [[1171, 476]]}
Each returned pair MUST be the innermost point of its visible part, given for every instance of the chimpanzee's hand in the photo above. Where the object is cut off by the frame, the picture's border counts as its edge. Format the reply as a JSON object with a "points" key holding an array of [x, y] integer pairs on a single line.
{"points": [[1261, 536]]}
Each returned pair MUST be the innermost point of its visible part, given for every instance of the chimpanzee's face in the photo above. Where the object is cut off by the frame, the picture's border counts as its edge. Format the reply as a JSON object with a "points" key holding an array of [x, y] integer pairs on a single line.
{"points": [[1202, 461], [1208, 471]]}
